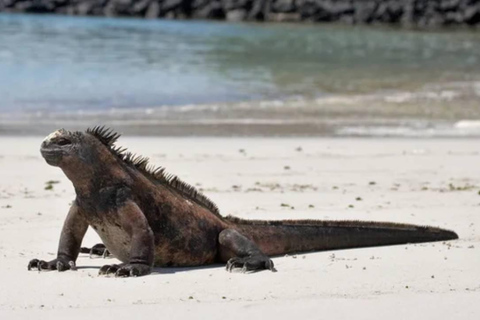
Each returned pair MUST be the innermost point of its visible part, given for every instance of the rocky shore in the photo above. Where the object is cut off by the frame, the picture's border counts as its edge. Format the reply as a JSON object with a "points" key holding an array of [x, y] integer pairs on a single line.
{"points": [[418, 13]]}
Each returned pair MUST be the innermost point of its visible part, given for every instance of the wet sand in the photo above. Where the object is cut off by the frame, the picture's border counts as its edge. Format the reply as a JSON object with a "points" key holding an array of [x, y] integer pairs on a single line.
{"points": [[446, 110]]}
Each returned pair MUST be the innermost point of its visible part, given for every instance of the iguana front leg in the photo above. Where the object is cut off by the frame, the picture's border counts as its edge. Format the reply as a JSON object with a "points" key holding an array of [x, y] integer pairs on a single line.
{"points": [[74, 229], [140, 263], [247, 256]]}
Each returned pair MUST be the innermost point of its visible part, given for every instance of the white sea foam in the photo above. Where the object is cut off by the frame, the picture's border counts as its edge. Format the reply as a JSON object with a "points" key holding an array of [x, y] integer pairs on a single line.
{"points": [[468, 124], [403, 97], [452, 131]]}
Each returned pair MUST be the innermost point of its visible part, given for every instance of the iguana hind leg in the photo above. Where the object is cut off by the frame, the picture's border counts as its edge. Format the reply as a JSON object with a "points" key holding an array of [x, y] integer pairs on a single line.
{"points": [[242, 253]]}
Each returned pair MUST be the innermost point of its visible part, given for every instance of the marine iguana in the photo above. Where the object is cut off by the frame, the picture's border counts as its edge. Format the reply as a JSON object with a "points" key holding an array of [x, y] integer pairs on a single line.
{"points": [[147, 217]]}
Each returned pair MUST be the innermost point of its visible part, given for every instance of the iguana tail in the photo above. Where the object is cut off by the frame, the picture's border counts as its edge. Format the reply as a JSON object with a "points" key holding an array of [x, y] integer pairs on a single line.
{"points": [[289, 236]]}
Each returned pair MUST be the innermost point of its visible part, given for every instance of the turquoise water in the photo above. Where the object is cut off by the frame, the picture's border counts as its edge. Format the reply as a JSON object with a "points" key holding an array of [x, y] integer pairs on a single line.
{"points": [[59, 63]]}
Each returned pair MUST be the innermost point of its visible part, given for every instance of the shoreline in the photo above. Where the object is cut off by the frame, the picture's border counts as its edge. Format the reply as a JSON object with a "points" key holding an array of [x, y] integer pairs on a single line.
{"points": [[257, 131], [442, 110]]}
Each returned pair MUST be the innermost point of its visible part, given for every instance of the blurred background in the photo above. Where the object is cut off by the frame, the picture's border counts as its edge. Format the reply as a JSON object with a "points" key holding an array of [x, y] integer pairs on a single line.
{"points": [[267, 68]]}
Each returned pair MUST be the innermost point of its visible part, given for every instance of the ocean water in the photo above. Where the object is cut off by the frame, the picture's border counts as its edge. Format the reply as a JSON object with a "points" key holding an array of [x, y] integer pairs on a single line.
{"points": [[333, 80]]}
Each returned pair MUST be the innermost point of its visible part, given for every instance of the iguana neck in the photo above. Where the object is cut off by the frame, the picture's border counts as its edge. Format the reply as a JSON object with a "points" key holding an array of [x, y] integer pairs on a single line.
{"points": [[89, 178]]}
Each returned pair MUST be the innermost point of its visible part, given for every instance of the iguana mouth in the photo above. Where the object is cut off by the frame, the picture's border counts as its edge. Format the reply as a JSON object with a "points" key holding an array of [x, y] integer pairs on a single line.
{"points": [[52, 155], [54, 146]]}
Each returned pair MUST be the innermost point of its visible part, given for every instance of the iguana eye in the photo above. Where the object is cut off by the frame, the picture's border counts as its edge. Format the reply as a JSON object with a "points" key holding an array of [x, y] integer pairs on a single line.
{"points": [[63, 142]]}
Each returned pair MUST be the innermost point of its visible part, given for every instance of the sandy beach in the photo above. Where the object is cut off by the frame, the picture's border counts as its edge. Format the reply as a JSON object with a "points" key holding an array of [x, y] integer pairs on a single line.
{"points": [[427, 182]]}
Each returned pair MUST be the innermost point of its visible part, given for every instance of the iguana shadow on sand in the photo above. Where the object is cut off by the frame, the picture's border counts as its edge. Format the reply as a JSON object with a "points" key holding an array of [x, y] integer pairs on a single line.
{"points": [[146, 217]]}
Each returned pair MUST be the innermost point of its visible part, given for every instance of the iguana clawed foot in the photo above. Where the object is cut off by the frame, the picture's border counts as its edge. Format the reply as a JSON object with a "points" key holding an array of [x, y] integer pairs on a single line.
{"points": [[248, 256], [249, 264], [125, 270], [56, 264], [97, 250]]}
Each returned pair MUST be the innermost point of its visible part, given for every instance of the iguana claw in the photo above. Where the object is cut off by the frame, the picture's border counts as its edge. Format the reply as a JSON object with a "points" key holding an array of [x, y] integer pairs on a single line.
{"points": [[248, 264], [125, 270], [56, 264]]}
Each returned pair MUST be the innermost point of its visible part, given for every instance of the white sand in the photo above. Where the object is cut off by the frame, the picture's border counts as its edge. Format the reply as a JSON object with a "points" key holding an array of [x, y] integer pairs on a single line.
{"points": [[414, 182]]}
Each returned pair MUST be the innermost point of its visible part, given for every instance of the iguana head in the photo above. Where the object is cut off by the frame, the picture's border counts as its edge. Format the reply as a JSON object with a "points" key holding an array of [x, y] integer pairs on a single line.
{"points": [[61, 145], [75, 149], [84, 156]]}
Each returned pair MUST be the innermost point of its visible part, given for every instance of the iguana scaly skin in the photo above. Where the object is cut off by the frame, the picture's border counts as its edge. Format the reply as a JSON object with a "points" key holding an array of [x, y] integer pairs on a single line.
{"points": [[148, 218]]}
